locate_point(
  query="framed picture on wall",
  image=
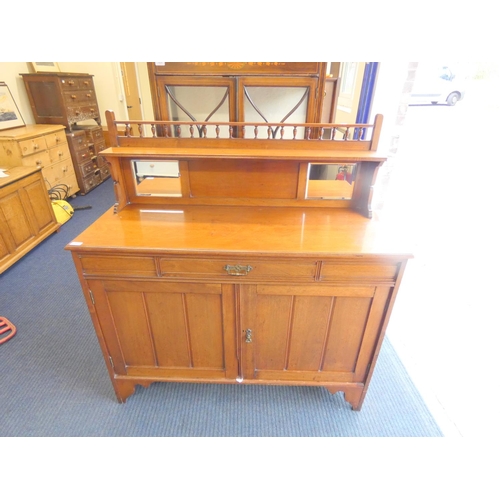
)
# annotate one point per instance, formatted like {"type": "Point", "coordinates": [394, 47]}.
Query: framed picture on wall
{"type": "Point", "coordinates": [10, 117]}
{"type": "Point", "coordinates": [45, 67]}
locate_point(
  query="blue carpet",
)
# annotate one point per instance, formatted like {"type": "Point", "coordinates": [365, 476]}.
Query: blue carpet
{"type": "Point", "coordinates": [53, 380]}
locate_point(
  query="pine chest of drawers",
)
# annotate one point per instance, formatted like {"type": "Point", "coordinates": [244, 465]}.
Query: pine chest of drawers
{"type": "Point", "coordinates": [42, 146]}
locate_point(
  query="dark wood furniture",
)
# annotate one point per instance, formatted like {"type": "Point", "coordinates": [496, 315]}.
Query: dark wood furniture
{"type": "Point", "coordinates": [231, 272]}
{"type": "Point", "coordinates": [69, 99]}
{"type": "Point", "coordinates": [62, 98]}
{"type": "Point", "coordinates": [26, 215]}
{"type": "Point", "coordinates": [86, 142]}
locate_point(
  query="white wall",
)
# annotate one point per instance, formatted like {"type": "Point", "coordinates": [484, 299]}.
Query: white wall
{"type": "Point", "coordinates": [9, 73]}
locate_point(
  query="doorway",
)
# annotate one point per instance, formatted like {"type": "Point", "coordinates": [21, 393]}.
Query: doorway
{"type": "Point", "coordinates": [131, 90]}
{"type": "Point", "coordinates": [351, 80]}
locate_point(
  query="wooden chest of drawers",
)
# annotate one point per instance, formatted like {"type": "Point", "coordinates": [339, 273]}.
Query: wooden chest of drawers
{"type": "Point", "coordinates": [62, 98]}
{"type": "Point", "coordinates": [85, 143]}
{"type": "Point", "coordinates": [42, 146]}
{"type": "Point", "coordinates": [97, 143]}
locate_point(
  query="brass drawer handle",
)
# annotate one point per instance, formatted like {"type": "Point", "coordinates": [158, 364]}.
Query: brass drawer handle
{"type": "Point", "coordinates": [237, 270]}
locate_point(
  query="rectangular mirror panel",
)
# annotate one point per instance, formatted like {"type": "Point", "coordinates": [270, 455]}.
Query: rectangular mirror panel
{"type": "Point", "coordinates": [157, 178]}
{"type": "Point", "coordinates": [331, 181]}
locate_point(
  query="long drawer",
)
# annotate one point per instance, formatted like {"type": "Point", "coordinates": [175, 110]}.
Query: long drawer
{"type": "Point", "coordinates": [197, 268]}
{"type": "Point", "coordinates": [242, 269]}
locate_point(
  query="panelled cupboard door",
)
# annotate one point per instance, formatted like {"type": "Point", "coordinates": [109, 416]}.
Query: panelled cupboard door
{"type": "Point", "coordinates": [35, 194]}
{"type": "Point", "coordinates": [310, 334]}
{"type": "Point", "coordinates": [177, 331]}
{"type": "Point", "coordinates": [25, 211]}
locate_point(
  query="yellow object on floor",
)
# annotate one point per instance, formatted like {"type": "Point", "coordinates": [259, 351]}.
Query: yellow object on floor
{"type": "Point", "coordinates": [63, 210]}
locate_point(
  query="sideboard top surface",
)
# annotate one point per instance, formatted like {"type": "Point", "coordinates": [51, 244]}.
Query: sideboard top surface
{"type": "Point", "coordinates": [29, 131]}
{"type": "Point", "coordinates": [13, 174]}
{"type": "Point", "coordinates": [225, 230]}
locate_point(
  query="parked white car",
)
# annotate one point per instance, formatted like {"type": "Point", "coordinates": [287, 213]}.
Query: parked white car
{"type": "Point", "coordinates": [436, 86]}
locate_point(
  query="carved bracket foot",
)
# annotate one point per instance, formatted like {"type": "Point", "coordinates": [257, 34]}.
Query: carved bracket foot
{"type": "Point", "coordinates": [353, 395]}
{"type": "Point", "coordinates": [125, 388]}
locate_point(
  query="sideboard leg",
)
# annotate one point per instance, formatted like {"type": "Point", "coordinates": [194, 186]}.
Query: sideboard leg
{"type": "Point", "coordinates": [353, 395]}
{"type": "Point", "coordinates": [123, 389]}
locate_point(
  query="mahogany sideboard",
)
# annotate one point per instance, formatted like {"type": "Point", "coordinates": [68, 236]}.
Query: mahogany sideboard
{"type": "Point", "coordinates": [239, 261]}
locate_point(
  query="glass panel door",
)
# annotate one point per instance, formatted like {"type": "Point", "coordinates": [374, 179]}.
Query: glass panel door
{"type": "Point", "coordinates": [276, 100]}
{"type": "Point", "coordinates": [187, 99]}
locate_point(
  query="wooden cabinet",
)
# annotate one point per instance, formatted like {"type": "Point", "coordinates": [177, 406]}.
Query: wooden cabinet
{"type": "Point", "coordinates": [42, 146]}
{"type": "Point", "coordinates": [192, 320]}
{"type": "Point", "coordinates": [85, 143]}
{"type": "Point", "coordinates": [26, 215]}
{"type": "Point", "coordinates": [62, 98]}
{"type": "Point", "coordinates": [239, 277]}
{"type": "Point", "coordinates": [69, 99]}
{"type": "Point", "coordinates": [96, 144]}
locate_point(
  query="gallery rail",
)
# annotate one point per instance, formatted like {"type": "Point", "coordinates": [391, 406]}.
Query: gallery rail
{"type": "Point", "coordinates": [357, 135]}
